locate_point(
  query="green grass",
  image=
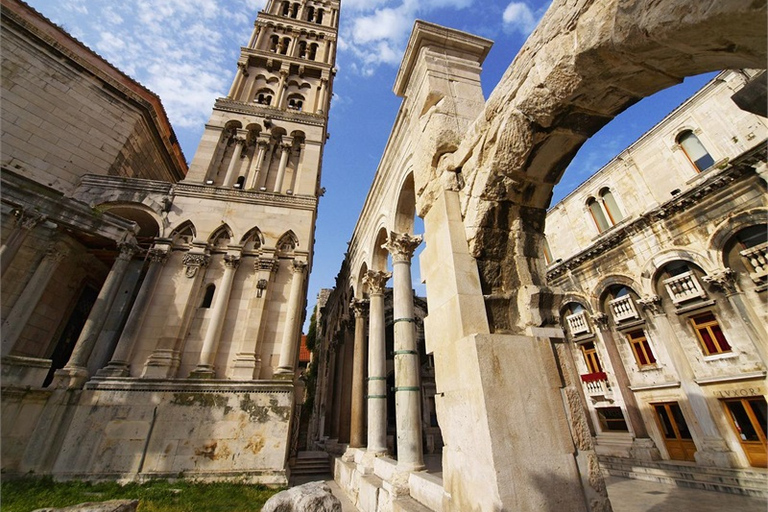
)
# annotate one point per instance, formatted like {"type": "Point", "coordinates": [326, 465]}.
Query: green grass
{"type": "Point", "coordinates": [157, 496]}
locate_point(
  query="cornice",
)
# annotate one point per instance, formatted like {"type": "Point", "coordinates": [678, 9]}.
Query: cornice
{"type": "Point", "coordinates": [238, 107]}
{"type": "Point", "coordinates": [299, 202]}
{"type": "Point", "coordinates": [266, 18]}
{"type": "Point", "coordinates": [713, 181]}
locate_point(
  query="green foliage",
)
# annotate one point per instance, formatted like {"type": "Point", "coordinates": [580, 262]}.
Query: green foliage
{"type": "Point", "coordinates": [156, 496]}
{"type": "Point", "coordinates": [312, 331]}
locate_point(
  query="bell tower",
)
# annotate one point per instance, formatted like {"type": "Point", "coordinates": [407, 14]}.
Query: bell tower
{"type": "Point", "coordinates": [267, 135]}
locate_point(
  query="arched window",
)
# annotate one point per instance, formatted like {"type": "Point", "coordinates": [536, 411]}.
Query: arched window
{"type": "Point", "coordinates": [295, 10]}
{"type": "Point", "coordinates": [319, 19]}
{"type": "Point", "coordinates": [240, 182]}
{"type": "Point", "coordinates": [284, 44]}
{"type": "Point", "coordinates": [264, 97]}
{"type": "Point", "coordinates": [208, 297]}
{"type": "Point", "coordinates": [597, 214]}
{"type": "Point", "coordinates": [604, 210]}
{"type": "Point", "coordinates": [695, 150]}
{"type": "Point", "coordinates": [295, 102]}
{"type": "Point", "coordinates": [547, 252]}
{"type": "Point", "coordinates": [310, 13]}
{"type": "Point", "coordinates": [273, 42]}
{"type": "Point", "coordinates": [312, 51]}
{"type": "Point", "coordinates": [286, 8]}
{"type": "Point", "coordinates": [302, 49]}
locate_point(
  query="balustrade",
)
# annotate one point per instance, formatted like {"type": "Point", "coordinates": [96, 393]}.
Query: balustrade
{"type": "Point", "coordinates": [684, 287]}
{"type": "Point", "coordinates": [757, 257]}
{"type": "Point", "coordinates": [623, 308]}
{"type": "Point", "coordinates": [597, 385]}
{"type": "Point", "coordinates": [577, 323]}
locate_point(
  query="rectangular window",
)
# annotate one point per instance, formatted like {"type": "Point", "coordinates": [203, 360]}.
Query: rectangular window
{"type": "Point", "coordinates": [709, 333]}
{"type": "Point", "coordinates": [611, 419]}
{"type": "Point", "coordinates": [642, 349]}
{"type": "Point", "coordinates": [590, 357]}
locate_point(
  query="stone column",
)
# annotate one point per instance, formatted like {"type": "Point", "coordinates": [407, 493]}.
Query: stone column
{"type": "Point", "coordinates": [25, 305]}
{"type": "Point", "coordinates": [407, 385]}
{"type": "Point", "coordinates": [205, 367]}
{"type": "Point", "coordinates": [711, 449]}
{"type": "Point", "coordinates": [75, 372]}
{"type": "Point", "coordinates": [166, 357]}
{"type": "Point", "coordinates": [260, 38]}
{"type": "Point", "coordinates": [357, 423]}
{"type": "Point", "coordinates": [320, 108]}
{"type": "Point", "coordinates": [119, 365]}
{"type": "Point", "coordinates": [253, 172]}
{"type": "Point", "coordinates": [239, 74]}
{"type": "Point", "coordinates": [338, 383]}
{"type": "Point", "coordinates": [643, 447]}
{"type": "Point", "coordinates": [280, 89]}
{"type": "Point", "coordinates": [285, 148]}
{"type": "Point", "coordinates": [377, 362]}
{"type": "Point", "coordinates": [239, 142]}
{"type": "Point", "coordinates": [247, 362]}
{"type": "Point", "coordinates": [290, 333]}
{"type": "Point", "coordinates": [25, 223]}
{"type": "Point", "coordinates": [261, 182]}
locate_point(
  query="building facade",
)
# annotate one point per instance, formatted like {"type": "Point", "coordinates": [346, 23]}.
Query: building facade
{"type": "Point", "coordinates": [169, 345]}
{"type": "Point", "coordinates": [658, 257]}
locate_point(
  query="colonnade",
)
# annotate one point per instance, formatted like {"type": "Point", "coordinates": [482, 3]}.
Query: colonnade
{"type": "Point", "coordinates": [407, 366]}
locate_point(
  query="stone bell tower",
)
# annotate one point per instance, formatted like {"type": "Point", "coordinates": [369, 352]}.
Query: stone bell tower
{"type": "Point", "coordinates": [267, 135]}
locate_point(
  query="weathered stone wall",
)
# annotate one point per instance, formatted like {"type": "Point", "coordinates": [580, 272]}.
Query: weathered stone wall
{"type": "Point", "coordinates": [61, 121]}
{"type": "Point", "coordinates": [135, 431]}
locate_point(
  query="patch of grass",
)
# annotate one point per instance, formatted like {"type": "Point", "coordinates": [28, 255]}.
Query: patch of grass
{"type": "Point", "coordinates": [29, 494]}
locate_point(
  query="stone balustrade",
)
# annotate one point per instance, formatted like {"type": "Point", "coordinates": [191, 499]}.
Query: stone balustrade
{"type": "Point", "coordinates": [596, 386]}
{"type": "Point", "coordinates": [684, 287]}
{"type": "Point", "coordinates": [623, 308]}
{"type": "Point", "coordinates": [577, 323]}
{"type": "Point", "coordinates": [757, 259]}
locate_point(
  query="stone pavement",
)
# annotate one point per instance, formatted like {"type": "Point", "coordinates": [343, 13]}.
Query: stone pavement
{"type": "Point", "coordinates": [628, 495]}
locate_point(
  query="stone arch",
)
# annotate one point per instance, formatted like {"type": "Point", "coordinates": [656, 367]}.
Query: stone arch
{"type": "Point", "coordinates": [184, 234]}
{"type": "Point", "coordinates": [378, 253]}
{"type": "Point", "coordinates": [221, 237]}
{"type": "Point", "coordinates": [609, 281]}
{"type": "Point", "coordinates": [405, 206]}
{"type": "Point", "coordinates": [652, 268]}
{"type": "Point", "coordinates": [360, 286]}
{"type": "Point", "coordinates": [252, 241]}
{"type": "Point", "coordinates": [287, 243]}
{"type": "Point", "coordinates": [729, 227]}
{"type": "Point", "coordinates": [148, 220]}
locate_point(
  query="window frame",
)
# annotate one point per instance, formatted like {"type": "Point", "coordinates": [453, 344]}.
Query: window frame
{"type": "Point", "coordinates": [641, 343]}
{"type": "Point", "coordinates": [707, 326]}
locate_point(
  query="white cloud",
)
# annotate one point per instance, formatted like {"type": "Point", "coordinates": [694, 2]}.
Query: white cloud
{"type": "Point", "coordinates": [518, 17]}
{"type": "Point", "coordinates": [389, 24]}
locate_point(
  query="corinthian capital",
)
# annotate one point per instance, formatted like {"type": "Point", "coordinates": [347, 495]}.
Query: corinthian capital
{"type": "Point", "coordinates": [193, 262]}
{"type": "Point", "coordinates": [724, 278]}
{"type": "Point", "coordinates": [375, 281]}
{"type": "Point", "coordinates": [401, 246]}
{"type": "Point", "coordinates": [359, 307]}
{"type": "Point", "coordinates": [231, 260]}
{"type": "Point", "coordinates": [298, 266]}
{"type": "Point", "coordinates": [651, 303]}
{"type": "Point", "coordinates": [156, 255]}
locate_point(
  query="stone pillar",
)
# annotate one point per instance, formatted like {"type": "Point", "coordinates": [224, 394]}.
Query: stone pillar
{"type": "Point", "coordinates": [75, 372]}
{"type": "Point", "coordinates": [321, 101]}
{"type": "Point", "coordinates": [643, 447]}
{"type": "Point", "coordinates": [25, 223]}
{"type": "Point", "coordinates": [711, 449]}
{"type": "Point", "coordinates": [258, 158]}
{"type": "Point", "coordinates": [218, 156]}
{"type": "Point", "coordinates": [377, 362]}
{"type": "Point", "coordinates": [166, 357]}
{"type": "Point", "coordinates": [261, 182]}
{"type": "Point", "coordinates": [239, 74]}
{"type": "Point", "coordinates": [25, 305]}
{"type": "Point", "coordinates": [260, 38]}
{"type": "Point", "coordinates": [292, 317]}
{"type": "Point", "coordinates": [338, 384]}
{"type": "Point", "coordinates": [239, 142]}
{"type": "Point", "coordinates": [285, 148]}
{"type": "Point", "coordinates": [205, 367]}
{"type": "Point", "coordinates": [407, 367]}
{"type": "Point", "coordinates": [280, 89]}
{"type": "Point", "coordinates": [247, 362]}
{"type": "Point", "coordinates": [119, 365]}
{"type": "Point", "coordinates": [357, 422]}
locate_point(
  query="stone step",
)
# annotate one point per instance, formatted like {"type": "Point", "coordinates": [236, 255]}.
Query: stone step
{"type": "Point", "coordinates": [408, 504]}
{"type": "Point", "coordinates": [748, 482]}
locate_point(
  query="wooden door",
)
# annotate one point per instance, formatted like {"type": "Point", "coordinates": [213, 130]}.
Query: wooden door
{"type": "Point", "coordinates": [677, 437]}
{"type": "Point", "coordinates": [748, 418]}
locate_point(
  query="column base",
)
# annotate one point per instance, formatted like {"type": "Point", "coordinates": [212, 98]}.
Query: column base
{"type": "Point", "coordinates": [115, 369]}
{"type": "Point", "coordinates": [245, 367]}
{"type": "Point", "coordinates": [160, 365]}
{"type": "Point", "coordinates": [73, 377]}
{"type": "Point", "coordinates": [284, 374]}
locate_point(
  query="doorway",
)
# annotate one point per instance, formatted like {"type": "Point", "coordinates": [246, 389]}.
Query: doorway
{"type": "Point", "coordinates": [677, 437]}
{"type": "Point", "coordinates": [748, 419]}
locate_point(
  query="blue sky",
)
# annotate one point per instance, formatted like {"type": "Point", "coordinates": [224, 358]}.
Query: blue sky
{"type": "Point", "coordinates": [185, 51]}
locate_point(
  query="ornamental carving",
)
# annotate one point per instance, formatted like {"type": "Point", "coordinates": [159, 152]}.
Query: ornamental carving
{"type": "Point", "coordinates": [156, 255]}
{"type": "Point", "coordinates": [651, 303]}
{"type": "Point", "coordinates": [267, 264]}
{"type": "Point", "coordinates": [231, 260]}
{"type": "Point", "coordinates": [401, 246]}
{"type": "Point", "coordinates": [375, 280]}
{"type": "Point", "coordinates": [298, 267]}
{"type": "Point", "coordinates": [359, 307]}
{"type": "Point", "coordinates": [724, 279]}
{"type": "Point", "coordinates": [600, 320]}
{"type": "Point", "coordinates": [127, 250]}
{"type": "Point", "coordinates": [193, 263]}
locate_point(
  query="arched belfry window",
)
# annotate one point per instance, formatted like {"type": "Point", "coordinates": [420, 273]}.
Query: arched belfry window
{"type": "Point", "coordinates": [695, 150]}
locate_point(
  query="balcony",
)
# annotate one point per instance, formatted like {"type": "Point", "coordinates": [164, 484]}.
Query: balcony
{"type": "Point", "coordinates": [757, 259]}
{"type": "Point", "coordinates": [684, 287]}
{"type": "Point", "coordinates": [577, 323]}
{"type": "Point", "coordinates": [623, 309]}
{"type": "Point", "coordinates": [596, 387]}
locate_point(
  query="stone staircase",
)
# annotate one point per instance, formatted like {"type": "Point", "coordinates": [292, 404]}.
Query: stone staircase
{"type": "Point", "coordinates": [314, 463]}
{"type": "Point", "coordinates": [746, 482]}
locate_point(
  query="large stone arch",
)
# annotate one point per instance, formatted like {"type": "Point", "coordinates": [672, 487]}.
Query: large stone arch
{"type": "Point", "coordinates": [484, 208]}
{"type": "Point", "coordinates": [583, 65]}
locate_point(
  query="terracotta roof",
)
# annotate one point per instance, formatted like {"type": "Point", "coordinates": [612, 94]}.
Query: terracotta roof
{"type": "Point", "coordinates": [305, 355]}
